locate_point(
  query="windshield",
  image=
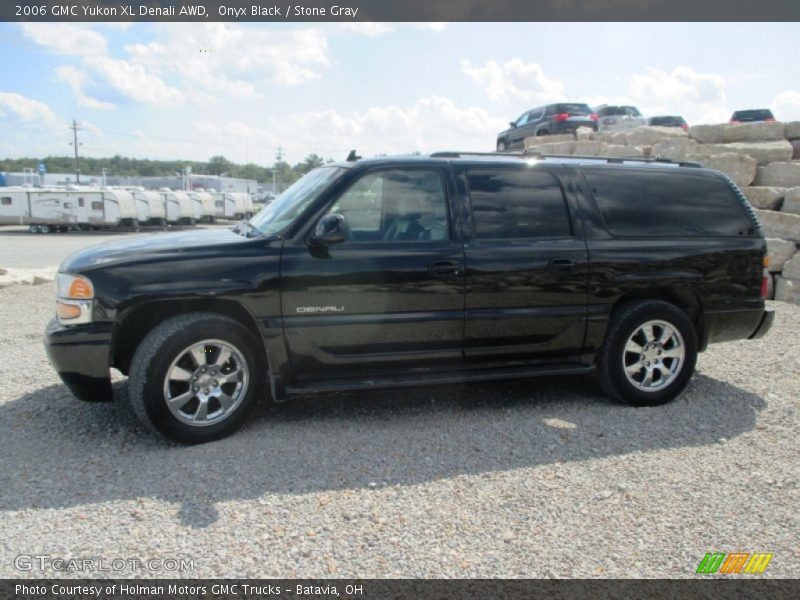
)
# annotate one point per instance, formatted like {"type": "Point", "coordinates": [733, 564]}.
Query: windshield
{"type": "Point", "coordinates": [274, 218]}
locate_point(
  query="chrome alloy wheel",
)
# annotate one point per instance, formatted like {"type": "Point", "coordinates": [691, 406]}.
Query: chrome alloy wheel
{"type": "Point", "coordinates": [206, 383]}
{"type": "Point", "coordinates": [653, 356]}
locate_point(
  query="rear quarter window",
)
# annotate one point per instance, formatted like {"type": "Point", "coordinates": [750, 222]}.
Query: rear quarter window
{"type": "Point", "coordinates": [517, 203]}
{"type": "Point", "coordinates": [676, 203]}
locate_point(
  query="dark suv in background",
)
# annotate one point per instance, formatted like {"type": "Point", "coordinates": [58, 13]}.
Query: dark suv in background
{"type": "Point", "coordinates": [546, 120]}
{"type": "Point", "coordinates": [441, 269]}
{"type": "Point", "coordinates": [752, 115]}
{"type": "Point", "coordinates": [668, 121]}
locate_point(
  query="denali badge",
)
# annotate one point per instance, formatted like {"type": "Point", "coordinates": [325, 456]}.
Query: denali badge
{"type": "Point", "coordinates": [319, 309]}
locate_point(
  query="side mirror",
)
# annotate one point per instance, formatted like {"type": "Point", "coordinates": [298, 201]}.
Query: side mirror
{"type": "Point", "coordinates": [331, 229]}
{"type": "Point", "coordinates": [512, 124]}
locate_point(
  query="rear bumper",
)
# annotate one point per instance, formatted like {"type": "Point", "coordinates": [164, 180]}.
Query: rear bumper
{"type": "Point", "coordinates": [80, 354]}
{"type": "Point", "coordinates": [765, 325]}
{"type": "Point", "coordinates": [568, 127]}
{"type": "Point", "coordinates": [741, 324]}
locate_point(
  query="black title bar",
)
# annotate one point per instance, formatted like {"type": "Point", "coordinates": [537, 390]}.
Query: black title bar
{"type": "Point", "coordinates": [733, 588]}
{"type": "Point", "coordinates": [398, 10]}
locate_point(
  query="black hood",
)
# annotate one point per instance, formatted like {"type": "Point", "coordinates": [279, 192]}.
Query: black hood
{"type": "Point", "coordinates": [142, 247]}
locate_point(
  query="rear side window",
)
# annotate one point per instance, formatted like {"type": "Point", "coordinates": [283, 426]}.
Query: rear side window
{"type": "Point", "coordinates": [664, 204]}
{"type": "Point", "coordinates": [517, 203]}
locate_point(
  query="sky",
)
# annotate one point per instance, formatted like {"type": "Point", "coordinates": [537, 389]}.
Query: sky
{"type": "Point", "coordinates": [194, 90]}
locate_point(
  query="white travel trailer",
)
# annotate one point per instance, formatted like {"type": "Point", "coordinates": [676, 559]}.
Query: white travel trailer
{"type": "Point", "coordinates": [181, 208]}
{"type": "Point", "coordinates": [156, 205]}
{"type": "Point", "coordinates": [60, 208]}
{"type": "Point", "coordinates": [207, 202]}
{"type": "Point", "coordinates": [244, 205]}
{"type": "Point", "coordinates": [224, 205]}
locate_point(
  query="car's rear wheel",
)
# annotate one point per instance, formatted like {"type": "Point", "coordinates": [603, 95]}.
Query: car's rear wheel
{"type": "Point", "coordinates": [649, 353]}
{"type": "Point", "coordinates": [195, 377]}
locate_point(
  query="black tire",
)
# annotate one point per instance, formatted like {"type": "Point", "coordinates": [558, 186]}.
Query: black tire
{"type": "Point", "coordinates": [501, 146]}
{"type": "Point", "coordinates": [626, 320]}
{"type": "Point", "coordinates": [162, 346]}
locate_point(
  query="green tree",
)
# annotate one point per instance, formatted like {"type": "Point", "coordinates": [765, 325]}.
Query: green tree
{"type": "Point", "coordinates": [217, 165]}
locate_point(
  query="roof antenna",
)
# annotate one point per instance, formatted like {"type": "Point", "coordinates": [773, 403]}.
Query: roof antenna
{"type": "Point", "coordinates": [352, 157]}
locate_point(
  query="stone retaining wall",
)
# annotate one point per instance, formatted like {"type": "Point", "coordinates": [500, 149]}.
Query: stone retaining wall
{"type": "Point", "coordinates": [762, 158]}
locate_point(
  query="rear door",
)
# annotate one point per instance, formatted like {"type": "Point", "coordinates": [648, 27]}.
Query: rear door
{"type": "Point", "coordinates": [391, 297]}
{"type": "Point", "coordinates": [527, 268]}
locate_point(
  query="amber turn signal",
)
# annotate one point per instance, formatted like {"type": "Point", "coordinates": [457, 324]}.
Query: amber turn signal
{"type": "Point", "coordinates": [80, 289]}
{"type": "Point", "coordinates": [67, 311]}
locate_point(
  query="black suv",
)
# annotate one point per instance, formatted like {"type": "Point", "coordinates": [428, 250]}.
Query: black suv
{"type": "Point", "coordinates": [393, 272]}
{"type": "Point", "coordinates": [546, 120]}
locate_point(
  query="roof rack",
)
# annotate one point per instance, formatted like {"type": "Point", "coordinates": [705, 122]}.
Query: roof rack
{"type": "Point", "coordinates": [536, 154]}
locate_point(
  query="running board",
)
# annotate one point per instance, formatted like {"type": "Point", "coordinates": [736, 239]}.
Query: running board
{"type": "Point", "coordinates": [444, 378]}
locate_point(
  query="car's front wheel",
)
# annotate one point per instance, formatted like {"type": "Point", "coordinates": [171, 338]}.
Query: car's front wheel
{"type": "Point", "coordinates": [649, 353]}
{"type": "Point", "coordinates": [195, 377]}
{"type": "Point", "coordinates": [501, 146]}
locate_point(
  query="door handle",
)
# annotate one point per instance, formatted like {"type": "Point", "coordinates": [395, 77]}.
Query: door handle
{"type": "Point", "coordinates": [444, 267]}
{"type": "Point", "coordinates": [561, 265]}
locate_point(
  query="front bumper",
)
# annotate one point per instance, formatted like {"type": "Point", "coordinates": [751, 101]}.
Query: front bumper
{"type": "Point", "coordinates": [81, 355]}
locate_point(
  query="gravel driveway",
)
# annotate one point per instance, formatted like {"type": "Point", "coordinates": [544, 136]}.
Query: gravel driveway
{"type": "Point", "coordinates": [531, 478]}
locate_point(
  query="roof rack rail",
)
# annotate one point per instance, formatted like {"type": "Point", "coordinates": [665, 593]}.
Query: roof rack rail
{"type": "Point", "coordinates": [536, 154]}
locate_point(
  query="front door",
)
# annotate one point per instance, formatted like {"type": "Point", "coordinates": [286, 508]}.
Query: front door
{"type": "Point", "coordinates": [527, 269]}
{"type": "Point", "coordinates": [388, 299]}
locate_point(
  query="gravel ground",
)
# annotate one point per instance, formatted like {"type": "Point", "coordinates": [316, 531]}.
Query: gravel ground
{"type": "Point", "coordinates": [531, 478]}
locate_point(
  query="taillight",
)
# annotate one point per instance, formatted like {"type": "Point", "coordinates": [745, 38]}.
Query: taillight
{"type": "Point", "coordinates": [770, 120]}
{"type": "Point", "coordinates": [594, 117]}
{"type": "Point", "coordinates": [765, 277]}
{"type": "Point", "coordinates": [734, 122]}
{"type": "Point", "coordinates": [684, 127]}
{"type": "Point", "coordinates": [558, 117]}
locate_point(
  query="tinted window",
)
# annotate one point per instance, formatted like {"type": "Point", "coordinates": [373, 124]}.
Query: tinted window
{"type": "Point", "coordinates": [517, 203]}
{"type": "Point", "coordinates": [5, 201]}
{"type": "Point", "coordinates": [759, 114]}
{"type": "Point", "coordinates": [675, 203]}
{"type": "Point", "coordinates": [97, 205]}
{"type": "Point", "coordinates": [619, 111]}
{"type": "Point", "coordinates": [667, 121]}
{"type": "Point", "coordinates": [396, 205]}
{"type": "Point", "coordinates": [573, 109]}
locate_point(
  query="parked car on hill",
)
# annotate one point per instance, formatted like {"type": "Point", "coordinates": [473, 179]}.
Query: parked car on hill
{"type": "Point", "coordinates": [752, 115]}
{"type": "Point", "coordinates": [440, 269]}
{"type": "Point", "coordinates": [618, 118]}
{"type": "Point", "coordinates": [564, 117]}
{"type": "Point", "coordinates": [668, 121]}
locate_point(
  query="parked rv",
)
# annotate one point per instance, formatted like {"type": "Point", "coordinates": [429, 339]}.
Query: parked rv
{"type": "Point", "coordinates": [224, 205]}
{"type": "Point", "coordinates": [156, 204]}
{"type": "Point", "coordinates": [244, 205]}
{"type": "Point", "coordinates": [207, 202]}
{"type": "Point", "coordinates": [61, 208]}
{"type": "Point", "coordinates": [180, 208]}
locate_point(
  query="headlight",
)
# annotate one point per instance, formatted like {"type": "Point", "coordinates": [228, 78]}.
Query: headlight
{"type": "Point", "coordinates": [75, 295]}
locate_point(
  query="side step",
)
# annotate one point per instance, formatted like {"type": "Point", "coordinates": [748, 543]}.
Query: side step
{"type": "Point", "coordinates": [443, 378]}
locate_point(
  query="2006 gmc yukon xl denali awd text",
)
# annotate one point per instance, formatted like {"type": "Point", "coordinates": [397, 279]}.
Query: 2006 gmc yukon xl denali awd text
{"type": "Point", "coordinates": [419, 270]}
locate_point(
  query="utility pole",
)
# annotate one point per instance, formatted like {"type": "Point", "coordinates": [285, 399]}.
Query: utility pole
{"type": "Point", "coordinates": [75, 128]}
{"type": "Point", "coordinates": [279, 155]}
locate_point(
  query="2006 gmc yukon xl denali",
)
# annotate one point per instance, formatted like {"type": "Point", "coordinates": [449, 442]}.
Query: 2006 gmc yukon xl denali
{"type": "Point", "coordinates": [419, 270]}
